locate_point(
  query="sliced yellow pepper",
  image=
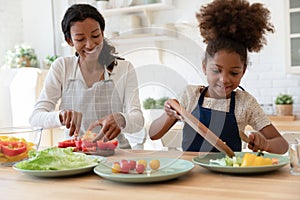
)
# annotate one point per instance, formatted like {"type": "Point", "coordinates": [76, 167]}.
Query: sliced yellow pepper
{"type": "Point", "coordinates": [248, 159]}
{"type": "Point", "coordinates": [253, 160]}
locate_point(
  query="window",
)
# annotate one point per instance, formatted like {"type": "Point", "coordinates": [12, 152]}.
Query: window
{"type": "Point", "coordinates": [294, 36]}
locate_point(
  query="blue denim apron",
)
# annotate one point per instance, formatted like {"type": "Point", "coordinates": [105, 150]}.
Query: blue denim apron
{"type": "Point", "coordinates": [223, 124]}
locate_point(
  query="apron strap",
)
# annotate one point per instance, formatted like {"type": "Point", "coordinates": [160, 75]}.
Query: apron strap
{"type": "Point", "coordinates": [201, 99]}
{"type": "Point", "coordinates": [232, 102]}
{"type": "Point", "coordinates": [76, 68]}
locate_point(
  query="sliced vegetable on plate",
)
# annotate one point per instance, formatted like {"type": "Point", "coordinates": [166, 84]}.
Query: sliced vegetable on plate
{"type": "Point", "coordinates": [86, 145]}
{"type": "Point", "coordinates": [242, 163]}
{"type": "Point", "coordinates": [144, 170]}
{"type": "Point", "coordinates": [53, 162]}
{"type": "Point", "coordinates": [56, 159]}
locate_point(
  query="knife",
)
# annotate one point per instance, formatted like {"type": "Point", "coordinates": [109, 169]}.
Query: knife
{"type": "Point", "coordinates": [200, 128]}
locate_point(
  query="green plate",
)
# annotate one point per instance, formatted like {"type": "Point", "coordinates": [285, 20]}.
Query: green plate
{"type": "Point", "coordinates": [204, 162]}
{"type": "Point", "coordinates": [169, 169]}
{"type": "Point", "coordinates": [59, 173]}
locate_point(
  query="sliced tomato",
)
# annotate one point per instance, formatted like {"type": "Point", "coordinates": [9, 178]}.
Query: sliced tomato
{"type": "Point", "coordinates": [111, 145]}
{"type": "Point", "coordinates": [66, 143]}
{"type": "Point", "coordinates": [13, 148]}
{"type": "Point", "coordinates": [78, 144]}
{"type": "Point", "coordinates": [89, 149]}
{"type": "Point", "coordinates": [115, 142]}
{"type": "Point", "coordinates": [102, 145]}
{"type": "Point", "coordinates": [88, 144]}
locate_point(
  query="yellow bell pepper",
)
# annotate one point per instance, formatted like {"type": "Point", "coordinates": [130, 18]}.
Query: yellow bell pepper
{"type": "Point", "coordinates": [248, 159]}
{"type": "Point", "coordinates": [253, 160]}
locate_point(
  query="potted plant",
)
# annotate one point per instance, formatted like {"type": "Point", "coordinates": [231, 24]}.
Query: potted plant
{"type": "Point", "coordinates": [153, 108]}
{"type": "Point", "coordinates": [21, 56]}
{"type": "Point", "coordinates": [49, 60]}
{"type": "Point", "coordinates": [151, 103]}
{"type": "Point", "coordinates": [284, 105]}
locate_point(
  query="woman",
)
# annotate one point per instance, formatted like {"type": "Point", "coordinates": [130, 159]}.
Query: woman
{"type": "Point", "coordinates": [96, 88]}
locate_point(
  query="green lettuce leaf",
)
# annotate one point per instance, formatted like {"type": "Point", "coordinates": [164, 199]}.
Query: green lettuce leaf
{"type": "Point", "coordinates": [56, 159]}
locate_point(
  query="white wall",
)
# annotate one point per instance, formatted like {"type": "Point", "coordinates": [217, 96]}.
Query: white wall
{"type": "Point", "coordinates": [265, 78]}
{"type": "Point", "coordinates": [31, 22]}
{"type": "Point", "coordinates": [38, 27]}
{"type": "Point", "coordinates": [11, 31]}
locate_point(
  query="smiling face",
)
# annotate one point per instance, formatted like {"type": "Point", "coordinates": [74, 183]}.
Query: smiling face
{"type": "Point", "coordinates": [86, 38]}
{"type": "Point", "coordinates": [224, 73]}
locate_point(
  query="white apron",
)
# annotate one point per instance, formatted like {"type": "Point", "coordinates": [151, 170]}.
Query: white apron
{"type": "Point", "coordinates": [94, 103]}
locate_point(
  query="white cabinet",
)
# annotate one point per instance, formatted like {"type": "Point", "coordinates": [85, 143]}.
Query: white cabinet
{"type": "Point", "coordinates": [159, 5]}
{"type": "Point", "coordinates": [118, 29]}
{"type": "Point", "coordinates": [293, 65]}
{"type": "Point", "coordinates": [133, 24]}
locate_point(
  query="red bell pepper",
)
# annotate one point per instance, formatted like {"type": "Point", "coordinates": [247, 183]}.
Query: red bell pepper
{"type": "Point", "coordinates": [13, 148]}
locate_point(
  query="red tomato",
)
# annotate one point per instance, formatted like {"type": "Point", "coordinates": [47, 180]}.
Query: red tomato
{"type": "Point", "coordinates": [66, 143]}
{"type": "Point", "coordinates": [89, 149]}
{"type": "Point", "coordinates": [101, 145]}
{"type": "Point", "coordinates": [125, 167]}
{"type": "Point", "coordinates": [140, 168]}
{"type": "Point", "coordinates": [78, 144]}
{"type": "Point", "coordinates": [115, 142]}
{"type": "Point", "coordinates": [132, 164]}
{"type": "Point", "coordinates": [88, 144]}
{"type": "Point", "coordinates": [13, 148]}
{"type": "Point", "coordinates": [109, 145]}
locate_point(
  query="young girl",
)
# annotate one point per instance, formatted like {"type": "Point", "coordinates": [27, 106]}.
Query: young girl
{"type": "Point", "coordinates": [230, 29]}
{"type": "Point", "coordinates": [96, 88]}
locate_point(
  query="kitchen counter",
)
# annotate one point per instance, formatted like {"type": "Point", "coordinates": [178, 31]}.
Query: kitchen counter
{"type": "Point", "coordinates": [197, 184]}
{"type": "Point", "coordinates": [283, 126]}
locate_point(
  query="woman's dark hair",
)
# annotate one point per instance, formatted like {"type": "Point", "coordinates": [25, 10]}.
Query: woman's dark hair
{"type": "Point", "coordinates": [234, 26]}
{"type": "Point", "coordinates": [80, 12]}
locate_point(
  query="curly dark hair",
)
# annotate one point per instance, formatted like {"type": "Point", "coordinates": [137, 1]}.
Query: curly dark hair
{"type": "Point", "coordinates": [234, 26]}
{"type": "Point", "coordinates": [80, 12]}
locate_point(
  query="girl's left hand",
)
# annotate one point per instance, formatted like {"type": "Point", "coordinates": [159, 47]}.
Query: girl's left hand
{"type": "Point", "coordinates": [110, 126]}
{"type": "Point", "coordinates": [258, 142]}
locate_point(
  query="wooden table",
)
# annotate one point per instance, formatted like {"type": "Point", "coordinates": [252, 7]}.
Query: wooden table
{"type": "Point", "coordinates": [197, 184]}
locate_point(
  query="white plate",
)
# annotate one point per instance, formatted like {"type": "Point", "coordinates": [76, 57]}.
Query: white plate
{"type": "Point", "coordinates": [204, 162]}
{"type": "Point", "coordinates": [169, 169]}
{"type": "Point", "coordinates": [59, 173]}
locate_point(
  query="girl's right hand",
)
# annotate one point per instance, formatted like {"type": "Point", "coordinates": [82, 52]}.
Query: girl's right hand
{"type": "Point", "coordinates": [170, 111]}
{"type": "Point", "coordinates": [72, 120]}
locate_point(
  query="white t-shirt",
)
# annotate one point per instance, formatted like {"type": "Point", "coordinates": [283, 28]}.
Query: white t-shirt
{"type": "Point", "coordinates": [247, 110]}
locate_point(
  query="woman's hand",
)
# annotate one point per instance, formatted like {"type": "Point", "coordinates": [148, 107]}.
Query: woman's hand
{"type": "Point", "coordinates": [258, 142]}
{"type": "Point", "coordinates": [170, 111]}
{"type": "Point", "coordinates": [110, 126]}
{"type": "Point", "coordinates": [72, 120]}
